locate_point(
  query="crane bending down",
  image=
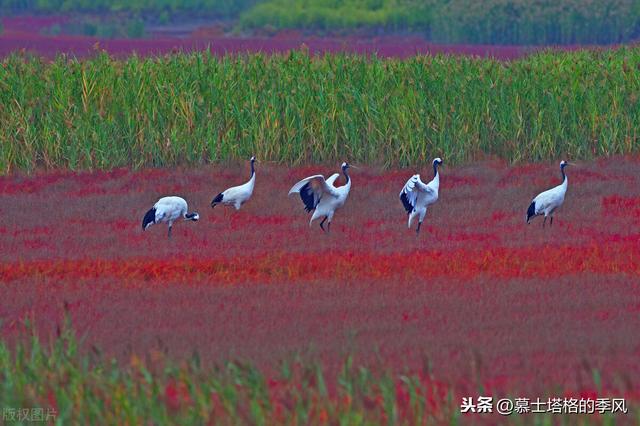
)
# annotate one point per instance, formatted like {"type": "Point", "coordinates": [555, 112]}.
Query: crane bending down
{"type": "Point", "coordinates": [547, 202]}
{"type": "Point", "coordinates": [416, 196]}
{"type": "Point", "coordinates": [168, 210]}
{"type": "Point", "coordinates": [322, 196]}
{"type": "Point", "coordinates": [237, 195]}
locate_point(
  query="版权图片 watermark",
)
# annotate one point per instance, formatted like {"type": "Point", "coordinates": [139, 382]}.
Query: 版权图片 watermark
{"type": "Point", "coordinates": [31, 414]}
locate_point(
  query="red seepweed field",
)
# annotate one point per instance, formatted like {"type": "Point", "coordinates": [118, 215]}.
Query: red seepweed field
{"type": "Point", "coordinates": [26, 33]}
{"type": "Point", "coordinates": [485, 303]}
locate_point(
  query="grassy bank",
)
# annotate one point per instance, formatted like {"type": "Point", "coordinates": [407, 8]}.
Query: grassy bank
{"type": "Point", "coordinates": [61, 382]}
{"type": "Point", "coordinates": [70, 387]}
{"type": "Point", "coordinates": [195, 108]}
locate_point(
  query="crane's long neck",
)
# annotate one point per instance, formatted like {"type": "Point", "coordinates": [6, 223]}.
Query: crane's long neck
{"type": "Point", "coordinates": [346, 176]}
{"type": "Point", "coordinates": [436, 175]}
{"type": "Point", "coordinates": [252, 180]}
{"type": "Point", "coordinates": [565, 181]}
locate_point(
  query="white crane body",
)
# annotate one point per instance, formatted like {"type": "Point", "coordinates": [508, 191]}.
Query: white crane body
{"type": "Point", "coordinates": [547, 202]}
{"type": "Point", "coordinates": [321, 196]}
{"type": "Point", "coordinates": [416, 196]}
{"type": "Point", "coordinates": [238, 195]}
{"type": "Point", "coordinates": [168, 210]}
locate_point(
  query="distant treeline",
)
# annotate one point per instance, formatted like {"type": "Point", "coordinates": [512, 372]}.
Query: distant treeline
{"type": "Point", "coordinates": [296, 108]}
{"type": "Point", "coordinates": [221, 8]}
{"type": "Point", "coordinates": [462, 21]}
{"type": "Point", "coordinates": [449, 21]}
{"type": "Point", "coordinates": [400, 15]}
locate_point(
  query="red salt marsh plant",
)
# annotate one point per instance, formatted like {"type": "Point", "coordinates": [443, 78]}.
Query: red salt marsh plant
{"type": "Point", "coordinates": [616, 257]}
{"type": "Point", "coordinates": [494, 305]}
{"type": "Point", "coordinates": [393, 47]}
{"type": "Point", "coordinates": [616, 205]}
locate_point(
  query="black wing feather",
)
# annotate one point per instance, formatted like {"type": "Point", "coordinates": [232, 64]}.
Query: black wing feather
{"type": "Point", "coordinates": [308, 197]}
{"type": "Point", "coordinates": [149, 218]}
{"type": "Point", "coordinates": [531, 211]}
{"type": "Point", "coordinates": [405, 202]}
{"type": "Point", "coordinates": [218, 198]}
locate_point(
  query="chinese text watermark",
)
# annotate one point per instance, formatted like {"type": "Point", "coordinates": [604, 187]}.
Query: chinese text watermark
{"type": "Point", "coordinates": [508, 406]}
{"type": "Point", "coordinates": [37, 414]}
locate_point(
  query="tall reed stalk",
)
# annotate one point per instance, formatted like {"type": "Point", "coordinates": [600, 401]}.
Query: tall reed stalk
{"type": "Point", "coordinates": [296, 108]}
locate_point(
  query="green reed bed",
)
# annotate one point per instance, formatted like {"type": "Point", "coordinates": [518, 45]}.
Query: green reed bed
{"type": "Point", "coordinates": [296, 108]}
{"type": "Point", "coordinates": [60, 381]}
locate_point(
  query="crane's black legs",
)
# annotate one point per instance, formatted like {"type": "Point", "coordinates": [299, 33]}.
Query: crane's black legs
{"type": "Point", "coordinates": [544, 221]}
{"type": "Point", "coordinates": [322, 224]}
{"type": "Point", "coordinates": [170, 231]}
{"type": "Point", "coordinates": [418, 228]}
{"type": "Point", "coordinates": [329, 227]}
{"type": "Point", "coordinates": [551, 224]}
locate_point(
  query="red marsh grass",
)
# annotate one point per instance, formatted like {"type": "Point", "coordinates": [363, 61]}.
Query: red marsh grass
{"type": "Point", "coordinates": [480, 295]}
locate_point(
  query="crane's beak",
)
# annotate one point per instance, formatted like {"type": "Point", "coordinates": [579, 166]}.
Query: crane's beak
{"type": "Point", "coordinates": [353, 167]}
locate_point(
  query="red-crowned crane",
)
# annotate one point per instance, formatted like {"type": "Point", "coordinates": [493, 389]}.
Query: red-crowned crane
{"type": "Point", "coordinates": [547, 202]}
{"type": "Point", "coordinates": [322, 196]}
{"type": "Point", "coordinates": [168, 210]}
{"type": "Point", "coordinates": [237, 195]}
{"type": "Point", "coordinates": [416, 196]}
